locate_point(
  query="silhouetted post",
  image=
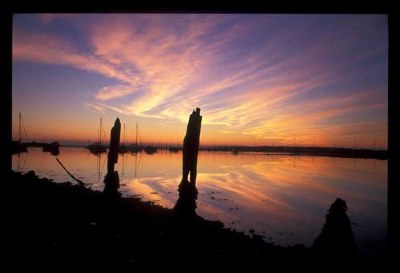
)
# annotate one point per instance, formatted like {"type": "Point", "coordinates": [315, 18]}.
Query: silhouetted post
{"type": "Point", "coordinates": [111, 180]}
{"type": "Point", "coordinates": [191, 147]}
{"type": "Point", "coordinates": [337, 237]}
{"type": "Point", "coordinates": [185, 206]}
{"type": "Point", "coordinates": [114, 146]}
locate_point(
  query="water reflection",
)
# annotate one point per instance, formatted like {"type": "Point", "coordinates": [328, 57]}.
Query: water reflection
{"type": "Point", "coordinates": [267, 193]}
{"type": "Point", "coordinates": [100, 162]}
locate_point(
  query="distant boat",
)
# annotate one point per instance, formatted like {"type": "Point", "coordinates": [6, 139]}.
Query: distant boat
{"type": "Point", "coordinates": [97, 148]}
{"type": "Point", "coordinates": [134, 149]}
{"type": "Point", "coordinates": [235, 151]}
{"type": "Point", "coordinates": [16, 146]}
{"type": "Point", "coordinates": [150, 149]}
{"type": "Point", "coordinates": [53, 148]}
{"type": "Point", "coordinates": [173, 149]}
{"type": "Point", "coordinates": [123, 149]}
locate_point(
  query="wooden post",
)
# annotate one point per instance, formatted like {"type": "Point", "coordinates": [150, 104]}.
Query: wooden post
{"type": "Point", "coordinates": [111, 180]}
{"type": "Point", "coordinates": [191, 147]}
{"type": "Point", "coordinates": [185, 206]}
{"type": "Point", "coordinates": [114, 146]}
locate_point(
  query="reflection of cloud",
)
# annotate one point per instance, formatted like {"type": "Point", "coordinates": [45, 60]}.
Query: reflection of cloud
{"type": "Point", "coordinates": [273, 193]}
{"type": "Point", "coordinates": [285, 183]}
{"type": "Point", "coordinates": [166, 192]}
{"type": "Point", "coordinates": [244, 78]}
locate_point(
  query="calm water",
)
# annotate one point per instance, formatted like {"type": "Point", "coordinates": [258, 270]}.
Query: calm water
{"type": "Point", "coordinates": [282, 197]}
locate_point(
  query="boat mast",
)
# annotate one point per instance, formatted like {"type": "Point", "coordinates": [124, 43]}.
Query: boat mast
{"type": "Point", "coordinates": [124, 135]}
{"type": "Point", "coordinates": [101, 120]}
{"type": "Point", "coordinates": [19, 140]}
{"type": "Point", "coordinates": [136, 134]}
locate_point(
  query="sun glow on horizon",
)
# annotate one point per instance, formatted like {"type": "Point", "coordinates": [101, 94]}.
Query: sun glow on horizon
{"type": "Point", "coordinates": [305, 80]}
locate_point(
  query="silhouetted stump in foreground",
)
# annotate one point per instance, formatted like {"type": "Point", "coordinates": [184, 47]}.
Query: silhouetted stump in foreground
{"type": "Point", "coordinates": [337, 237]}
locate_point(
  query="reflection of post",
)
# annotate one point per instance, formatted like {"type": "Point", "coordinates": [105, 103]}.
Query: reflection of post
{"type": "Point", "coordinates": [123, 164]}
{"type": "Point", "coordinates": [98, 157]}
{"type": "Point", "coordinates": [191, 147]}
{"type": "Point", "coordinates": [135, 164]}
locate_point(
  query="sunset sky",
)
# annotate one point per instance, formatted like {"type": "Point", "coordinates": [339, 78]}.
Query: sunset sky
{"type": "Point", "coordinates": [258, 79]}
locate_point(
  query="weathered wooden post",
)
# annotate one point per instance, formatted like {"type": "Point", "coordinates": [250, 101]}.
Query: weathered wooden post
{"type": "Point", "coordinates": [191, 147]}
{"type": "Point", "coordinates": [186, 204]}
{"type": "Point", "coordinates": [111, 180]}
{"type": "Point", "coordinates": [114, 146]}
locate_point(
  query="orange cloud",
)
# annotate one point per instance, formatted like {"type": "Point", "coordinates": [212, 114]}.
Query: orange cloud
{"type": "Point", "coordinates": [165, 65]}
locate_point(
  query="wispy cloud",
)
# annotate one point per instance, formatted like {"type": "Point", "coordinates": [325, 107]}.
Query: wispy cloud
{"type": "Point", "coordinates": [110, 92]}
{"type": "Point", "coordinates": [50, 49]}
{"type": "Point", "coordinates": [265, 76]}
{"type": "Point", "coordinates": [94, 107]}
{"type": "Point", "coordinates": [49, 17]}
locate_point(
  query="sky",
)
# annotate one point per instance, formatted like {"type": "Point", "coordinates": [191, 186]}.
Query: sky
{"type": "Point", "coordinates": [259, 79]}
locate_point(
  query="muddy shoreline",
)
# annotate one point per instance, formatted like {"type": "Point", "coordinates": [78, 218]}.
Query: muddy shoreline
{"type": "Point", "coordinates": [67, 223]}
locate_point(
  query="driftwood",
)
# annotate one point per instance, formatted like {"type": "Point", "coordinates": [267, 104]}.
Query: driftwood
{"type": "Point", "coordinates": [80, 182]}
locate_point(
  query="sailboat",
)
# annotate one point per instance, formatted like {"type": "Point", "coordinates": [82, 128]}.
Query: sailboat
{"type": "Point", "coordinates": [150, 149]}
{"type": "Point", "coordinates": [53, 148]}
{"type": "Point", "coordinates": [16, 146]}
{"type": "Point", "coordinates": [235, 151]}
{"type": "Point", "coordinates": [97, 147]}
{"type": "Point", "coordinates": [174, 149]}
